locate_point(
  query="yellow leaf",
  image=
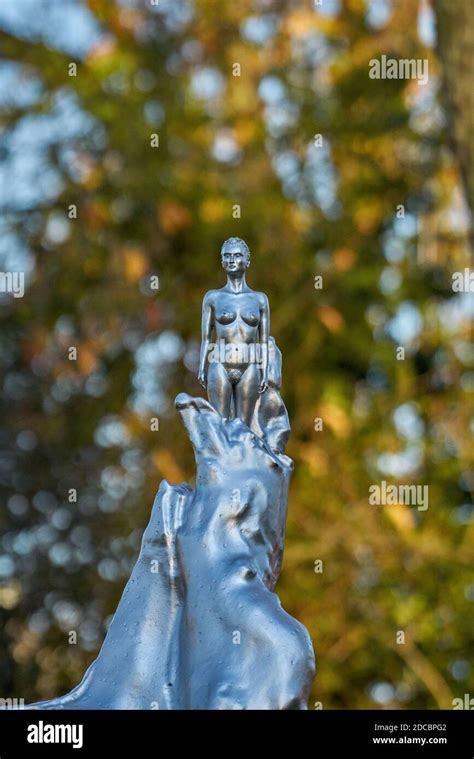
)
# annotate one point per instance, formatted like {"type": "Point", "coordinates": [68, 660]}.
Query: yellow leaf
{"type": "Point", "coordinates": [173, 216]}
{"type": "Point", "coordinates": [344, 259]}
{"type": "Point", "coordinates": [335, 418]}
{"type": "Point", "coordinates": [401, 516]}
{"type": "Point", "coordinates": [135, 264]}
{"type": "Point", "coordinates": [331, 318]}
{"type": "Point", "coordinates": [215, 209]}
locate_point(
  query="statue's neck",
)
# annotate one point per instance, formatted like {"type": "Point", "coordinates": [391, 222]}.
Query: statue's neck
{"type": "Point", "coordinates": [237, 284]}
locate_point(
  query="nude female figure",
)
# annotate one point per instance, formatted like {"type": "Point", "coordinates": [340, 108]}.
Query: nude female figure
{"type": "Point", "coordinates": [234, 369]}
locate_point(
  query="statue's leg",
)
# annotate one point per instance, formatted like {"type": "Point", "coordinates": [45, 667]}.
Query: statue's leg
{"type": "Point", "coordinates": [219, 388]}
{"type": "Point", "coordinates": [246, 393]}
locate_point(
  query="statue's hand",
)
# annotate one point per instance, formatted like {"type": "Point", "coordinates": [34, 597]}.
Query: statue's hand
{"type": "Point", "coordinates": [202, 378]}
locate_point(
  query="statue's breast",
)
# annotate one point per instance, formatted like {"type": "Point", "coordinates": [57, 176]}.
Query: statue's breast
{"type": "Point", "coordinates": [251, 319]}
{"type": "Point", "coordinates": [226, 317]}
{"type": "Point", "coordinates": [243, 307]}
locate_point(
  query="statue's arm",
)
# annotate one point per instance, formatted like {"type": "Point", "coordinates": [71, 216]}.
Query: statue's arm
{"type": "Point", "coordinates": [206, 335]}
{"type": "Point", "coordinates": [264, 333]}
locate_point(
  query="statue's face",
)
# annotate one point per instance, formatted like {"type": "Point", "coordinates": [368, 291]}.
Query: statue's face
{"type": "Point", "coordinates": [234, 259]}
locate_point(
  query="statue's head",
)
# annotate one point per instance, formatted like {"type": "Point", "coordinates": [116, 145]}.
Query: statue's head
{"type": "Point", "coordinates": [235, 255]}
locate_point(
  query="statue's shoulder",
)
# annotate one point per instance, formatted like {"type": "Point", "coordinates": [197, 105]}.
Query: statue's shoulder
{"type": "Point", "coordinates": [209, 297]}
{"type": "Point", "coordinates": [263, 300]}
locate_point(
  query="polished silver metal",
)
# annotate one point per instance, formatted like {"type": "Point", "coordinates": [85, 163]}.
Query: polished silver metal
{"type": "Point", "coordinates": [239, 361]}
{"type": "Point", "coordinates": [199, 625]}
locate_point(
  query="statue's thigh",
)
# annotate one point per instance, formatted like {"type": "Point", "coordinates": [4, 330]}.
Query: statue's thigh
{"type": "Point", "coordinates": [219, 388]}
{"type": "Point", "coordinates": [246, 393]}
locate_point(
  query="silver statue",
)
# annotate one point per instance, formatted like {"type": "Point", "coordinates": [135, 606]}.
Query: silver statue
{"type": "Point", "coordinates": [240, 318]}
{"type": "Point", "coordinates": [243, 362]}
{"type": "Point", "coordinates": [199, 625]}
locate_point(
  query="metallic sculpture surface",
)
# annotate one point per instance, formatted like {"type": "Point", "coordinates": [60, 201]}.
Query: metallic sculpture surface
{"type": "Point", "coordinates": [205, 629]}
{"type": "Point", "coordinates": [241, 370]}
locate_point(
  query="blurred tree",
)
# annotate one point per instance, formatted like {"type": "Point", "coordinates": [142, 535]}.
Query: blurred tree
{"type": "Point", "coordinates": [455, 47]}
{"type": "Point", "coordinates": [183, 124]}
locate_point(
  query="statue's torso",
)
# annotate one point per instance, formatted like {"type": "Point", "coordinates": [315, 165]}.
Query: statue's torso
{"type": "Point", "coordinates": [236, 320]}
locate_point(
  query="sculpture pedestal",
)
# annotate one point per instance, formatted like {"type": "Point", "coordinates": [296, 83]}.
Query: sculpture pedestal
{"type": "Point", "coordinates": [199, 625]}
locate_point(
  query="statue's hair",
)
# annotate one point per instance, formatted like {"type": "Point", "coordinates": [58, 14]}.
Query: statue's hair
{"type": "Point", "coordinates": [236, 241]}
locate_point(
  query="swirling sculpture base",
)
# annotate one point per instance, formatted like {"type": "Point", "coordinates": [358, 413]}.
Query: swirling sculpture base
{"type": "Point", "coordinates": [199, 625]}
